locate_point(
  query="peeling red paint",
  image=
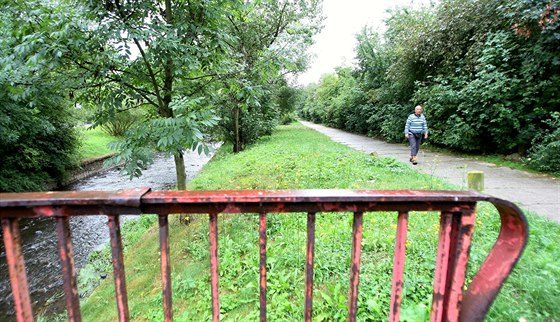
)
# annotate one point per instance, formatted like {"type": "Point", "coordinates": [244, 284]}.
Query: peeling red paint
{"type": "Point", "coordinates": [213, 229]}
{"type": "Point", "coordinates": [165, 268]}
{"type": "Point", "coordinates": [457, 225]}
{"type": "Point", "coordinates": [16, 268]}
{"type": "Point", "coordinates": [309, 261]}
{"type": "Point", "coordinates": [68, 268]}
{"type": "Point", "coordinates": [262, 264]}
{"type": "Point", "coordinates": [398, 267]}
{"type": "Point", "coordinates": [355, 266]}
{"type": "Point", "coordinates": [118, 268]}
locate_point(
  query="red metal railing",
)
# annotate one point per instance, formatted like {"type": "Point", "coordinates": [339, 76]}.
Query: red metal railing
{"type": "Point", "coordinates": [457, 208]}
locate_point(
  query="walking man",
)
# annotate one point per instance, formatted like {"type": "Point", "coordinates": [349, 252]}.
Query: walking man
{"type": "Point", "coordinates": [415, 127]}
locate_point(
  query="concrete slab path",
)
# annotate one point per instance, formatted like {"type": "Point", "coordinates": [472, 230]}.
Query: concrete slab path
{"type": "Point", "coordinates": [533, 192]}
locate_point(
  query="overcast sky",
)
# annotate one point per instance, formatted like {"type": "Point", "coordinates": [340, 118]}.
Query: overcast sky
{"type": "Point", "coordinates": [334, 46]}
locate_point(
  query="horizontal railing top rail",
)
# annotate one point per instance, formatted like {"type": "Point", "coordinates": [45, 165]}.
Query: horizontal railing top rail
{"type": "Point", "coordinates": [457, 209]}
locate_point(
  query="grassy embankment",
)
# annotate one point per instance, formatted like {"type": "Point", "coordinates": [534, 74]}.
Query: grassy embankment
{"type": "Point", "coordinates": [94, 143]}
{"type": "Point", "coordinates": [295, 157]}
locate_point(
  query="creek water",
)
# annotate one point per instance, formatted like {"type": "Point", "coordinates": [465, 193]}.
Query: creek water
{"type": "Point", "coordinates": [39, 241]}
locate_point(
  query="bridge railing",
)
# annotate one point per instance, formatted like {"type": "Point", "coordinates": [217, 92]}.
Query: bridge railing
{"type": "Point", "coordinates": [457, 221]}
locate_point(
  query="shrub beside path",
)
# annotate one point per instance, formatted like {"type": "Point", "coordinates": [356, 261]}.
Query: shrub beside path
{"type": "Point", "coordinates": [537, 193]}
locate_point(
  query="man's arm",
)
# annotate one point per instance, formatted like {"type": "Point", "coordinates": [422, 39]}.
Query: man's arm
{"type": "Point", "coordinates": [407, 127]}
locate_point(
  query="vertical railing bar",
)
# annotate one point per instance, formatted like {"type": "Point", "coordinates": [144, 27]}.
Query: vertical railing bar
{"type": "Point", "coordinates": [165, 268]}
{"type": "Point", "coordinates": [262, 264]}
{"type": "Point", "coordinates": [118, 267]}
{"type": "Point", "coordinates": [398, 266]}
{"type": "Point", "coordinates": [16, 268]}
{"type": "Point", "coordinates": [451, 259]}
{"type": "Point", "coordinates": [355, 266]}
{"type": "Point", "coordinates": [308, 313]}
{"type": "Point", "coordinates": [442, 262]}
{"type": "Point", "coordinates": [66, 252]}
{"type": "Point", "coordinates": [499, 263]}
{"type": "Point", "coordinates": [213, 232]}
{"type": "Point", "coordinates": [463, 230]}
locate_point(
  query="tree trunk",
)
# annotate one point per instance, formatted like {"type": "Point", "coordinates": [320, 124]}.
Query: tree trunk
{"type": "Point", "coordinates": [167, 97]}
{"type": "Point", "coordinates": [181, 182]}
{"type": "Point", "coordinates": [180, 171]}
{"type": "Point", "coordinates": [237, 142]}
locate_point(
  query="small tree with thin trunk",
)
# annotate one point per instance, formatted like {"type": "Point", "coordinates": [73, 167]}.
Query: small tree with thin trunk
{"type": "Point", "coordinates": [157, 57]}
{"type": "Point", "coordinates": [269, 40]}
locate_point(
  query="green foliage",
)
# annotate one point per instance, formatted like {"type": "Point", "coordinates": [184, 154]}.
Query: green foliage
{"type": "Point", "coordinates": [119, 125]}
{"type": "Point", "coordinates": [544, 154]}
{"type": "Point", "coordinates": [37, 140]}
{"type": "Point", "coordinates": [116, 122]}
{"type": "Point", "coordinates": [336, 101]}
{"type": "Point", "coordinates": [171, 135]}
{"type": "Point", "coordinates": [487, 73]}
{"type": "Point", "coordinates": [150, 57]}
{"type": "Point", "coordinates": [286, 98]}
{"type": "Point", "coordinates": [99, 261]}
{"type": "Point", "coordinates": [268, 40]}
{"type": "Point", "coordinates": [258, 121]}
{"type": "Point", "coordinates": [157, 66]}
{"type": "Point", "coordinates": [306, 106]}
{"type": "Point", "coordinates": [37, 143]}
{"type": "Point", "coordinates": [406, 51]}
{"type": "Point", "coordinates": [387, 122]}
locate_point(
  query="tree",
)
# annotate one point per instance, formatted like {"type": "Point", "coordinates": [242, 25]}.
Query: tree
{"type": "Point", "coordinates": [286, 99]}
{"type": "Point", "coordinates": [372, 59]}
{"type": "Point", "coordinates": [164, 58]}
{"type": "Point", "coordinates": [269, 40]}
{"type": "Point", "coordinates": [38, 141]}
{"type": "Point", "coordinates": [156, 56]}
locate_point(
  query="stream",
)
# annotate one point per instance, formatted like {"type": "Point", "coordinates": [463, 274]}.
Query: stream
{"type": "Point", "coordinates": [39, 241]}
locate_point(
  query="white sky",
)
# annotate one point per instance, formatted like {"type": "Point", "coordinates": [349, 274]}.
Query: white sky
{"type": "Point", "coordinates": [334, 46]}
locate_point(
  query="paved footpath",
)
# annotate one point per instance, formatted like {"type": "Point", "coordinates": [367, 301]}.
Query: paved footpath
{"type": "Point", "coordinates": [537, 193]}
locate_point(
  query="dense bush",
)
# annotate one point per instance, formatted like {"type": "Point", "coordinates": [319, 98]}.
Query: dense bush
{"type": "Point", "coordinates": [286, 98]}
{"type": "Point", "coordinates": [388, 122]}
{"type": "Point", "coordinates": [120, 123]}
{"type": "Point", "coordinates": [544, 154]}
{"type": "Point", "coordinates": [37, 143]}
{"type": "Point", "coordinates": [487, 73]}
{"type": "Point", "coordinates": [37, 138]}
{"type": "Point", "coordinates": [258, 121]}
{"type": "Point", "coordinates": [357, 119]}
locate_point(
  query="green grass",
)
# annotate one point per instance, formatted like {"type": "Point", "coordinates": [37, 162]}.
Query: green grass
{"type": "Point", "coordinates": [300, 158]}
{"type": "Point", "coordinates": [94, 143]}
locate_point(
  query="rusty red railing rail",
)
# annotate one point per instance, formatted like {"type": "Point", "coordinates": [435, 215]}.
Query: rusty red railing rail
{"type": "Point", "coordinates": [457, 209]}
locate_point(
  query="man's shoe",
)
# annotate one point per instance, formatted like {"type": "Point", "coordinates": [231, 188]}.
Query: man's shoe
{"type": "Point", "coordinates": [414, 161]}
{"type": "Point", "coordinates": [411, 158]}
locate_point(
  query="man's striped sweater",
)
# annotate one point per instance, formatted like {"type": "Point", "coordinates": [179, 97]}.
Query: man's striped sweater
{"type": "Point", "coordinates": [416, 124]}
